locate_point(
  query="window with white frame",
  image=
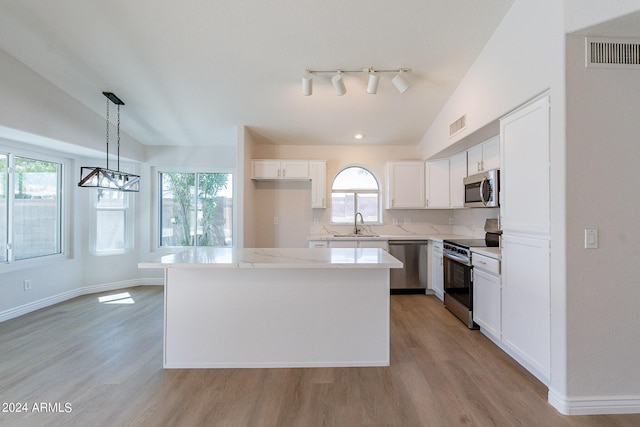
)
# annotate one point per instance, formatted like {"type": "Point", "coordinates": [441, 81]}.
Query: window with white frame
{"type": "Point", "coordinates": [196, 209]}
{"type": "Point", "coordinates": [355, 189]}
{"type": "Point", "coordinates": [112, 221]}
{"type": "Point", "coordinates": [30, 207]}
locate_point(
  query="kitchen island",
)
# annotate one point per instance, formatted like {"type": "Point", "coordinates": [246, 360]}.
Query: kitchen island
{"type": "Point", "coordinates": [249, 308]}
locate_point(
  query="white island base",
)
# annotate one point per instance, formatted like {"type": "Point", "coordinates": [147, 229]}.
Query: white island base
{"type": "Point", "coordinates": [299, 308]}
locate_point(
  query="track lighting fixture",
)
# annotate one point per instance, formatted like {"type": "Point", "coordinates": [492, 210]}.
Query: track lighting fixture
{"type": "Point", "coordinates": [307, 84]}
{"type": "Point", "coordinates": [400, 82]}
{"type": "Point", "coordinates": [338, 84]}
{"type": "Point", "coordinates": [372, 85]}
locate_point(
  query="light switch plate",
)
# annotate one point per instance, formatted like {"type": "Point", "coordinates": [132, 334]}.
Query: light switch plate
{"type": "Point", "coordinates": [590, 238]}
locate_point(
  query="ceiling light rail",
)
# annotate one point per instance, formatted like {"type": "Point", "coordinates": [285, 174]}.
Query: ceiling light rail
{"type": "Point", "coordinates": [105, 178]}
{"type": "Point", "coordinates": [399, 81]}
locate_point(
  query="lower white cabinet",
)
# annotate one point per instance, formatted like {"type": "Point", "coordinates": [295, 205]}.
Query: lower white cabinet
{"type": "Point", "coordinates": [487, 295]}
{"type": "Point", "coordinates": [526, 321]}
{"type": "Point", "coordinates": [318, 244]}
{"type": "Point", "coordinates": [437, 270]}
{"type": "Point", "coordinates": [350, 243]}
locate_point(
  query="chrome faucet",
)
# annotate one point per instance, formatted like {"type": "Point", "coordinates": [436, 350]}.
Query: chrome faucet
{"type": "Point", "coordinates": [355, 222]}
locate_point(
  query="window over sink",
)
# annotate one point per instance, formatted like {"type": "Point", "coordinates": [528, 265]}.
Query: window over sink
{"type": "Point", "coordinates": [355, 189]}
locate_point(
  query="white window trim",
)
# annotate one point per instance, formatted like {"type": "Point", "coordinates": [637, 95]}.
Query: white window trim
{"type": "Point", "coordinates": [155, 172]}
{"type": "Point", "coordinates": [378, 192]}
{"type": "Point", "coordinates": [66, 191]}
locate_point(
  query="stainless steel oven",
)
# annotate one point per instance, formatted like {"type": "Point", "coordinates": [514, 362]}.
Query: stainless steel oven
{"type": "Point", "coordinates": [458, 279]}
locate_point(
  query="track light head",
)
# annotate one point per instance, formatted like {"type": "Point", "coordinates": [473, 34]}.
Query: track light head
{"type": "Point", "coordinates": [338, 84]}
{"type": "Point", "coordinates": [307, 84]}
{"type": "Point", "coordinates": [372, 86]}
{"type": "Point", "coordinates": [400, 82]}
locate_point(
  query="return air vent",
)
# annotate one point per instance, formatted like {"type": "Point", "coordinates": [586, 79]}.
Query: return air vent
{"type": "Point", "coordinates": [458, 125]}
{"type": "Point", "coordinates": [604, 52]}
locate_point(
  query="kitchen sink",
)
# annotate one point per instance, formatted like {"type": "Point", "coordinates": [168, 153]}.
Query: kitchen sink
{"type": "Point", "coordinates": [356, 235]}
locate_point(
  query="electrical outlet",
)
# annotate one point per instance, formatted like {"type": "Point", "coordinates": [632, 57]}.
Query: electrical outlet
{"type": "Point", "coordinates": [395, 221]}
{"type": "Point", "coordinates": [450, 221]}
{"type": "Point", "coordinates": [27, 284]}
{"type": "Point", "coordinates": [315, 221]}
{"type": "Point", "coordinates": [275, 220]}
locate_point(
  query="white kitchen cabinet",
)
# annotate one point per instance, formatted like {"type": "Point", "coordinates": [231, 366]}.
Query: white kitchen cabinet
{"type": "Point", "coordinates": [526, 321]}
{"type": "Point", "coordinates": [437, 269]}
{"type": "Point", "coordinates": [318, 175]}
{"type": "Point", "coordinates": [265, 169]}
{"type": "Point", "coordinates": [457, 173]}
{"type": "Point", "coordinates": [381, 244]}
{"type": "Point", "coordinates": [524, 179]}
{"type": "Point", "coordinates": [437, 184]}
{"type": "Point", "coordinates": [318, 244]}
{"type": "Point", "coordinates": [353, 243]}
{"type": "Point", "coordinates": [405, 185]}
{"type": "Point", "coordinates": [487, 295]}
{"type": "Point", "coordinates": [279, 169]}
{"type": "Point", "coordinates": [484, 156]}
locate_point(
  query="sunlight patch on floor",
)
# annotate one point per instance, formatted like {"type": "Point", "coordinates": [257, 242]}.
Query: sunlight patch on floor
{"type": "Point", "coordinates": [121, 298]}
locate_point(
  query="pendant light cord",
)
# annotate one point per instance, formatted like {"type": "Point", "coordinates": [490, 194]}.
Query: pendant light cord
{"type": "Point", "coordinates": [108, 133]}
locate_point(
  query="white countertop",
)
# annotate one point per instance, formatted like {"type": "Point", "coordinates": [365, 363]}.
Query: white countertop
{"type": "Point", "coordinates": [436, 237]}
{"type": "Point", "coordinates": [490, 252]}
{"type": "Point", "coordinates": [276, 258]}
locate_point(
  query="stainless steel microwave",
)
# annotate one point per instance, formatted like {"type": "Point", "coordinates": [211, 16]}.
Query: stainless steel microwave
{"type": "Point", "coordinates": [482, 190]}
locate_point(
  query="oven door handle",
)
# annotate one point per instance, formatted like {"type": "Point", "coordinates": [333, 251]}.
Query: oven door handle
{"type": "Point", "coordinates": [457, 258]}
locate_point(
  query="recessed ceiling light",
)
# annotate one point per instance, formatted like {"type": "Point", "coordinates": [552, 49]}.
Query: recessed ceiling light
{"type": "Point", "coordinates": [359, 136]}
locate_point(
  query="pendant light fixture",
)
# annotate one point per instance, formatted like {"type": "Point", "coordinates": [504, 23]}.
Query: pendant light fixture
{"type": "Point", "coordinates": [105, 178]}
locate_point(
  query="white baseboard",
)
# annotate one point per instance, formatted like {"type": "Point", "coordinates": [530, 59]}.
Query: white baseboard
{"type": "Point", "coordinates": [93, 289]}
{"type": "Point", "coordinates": [594, 405]}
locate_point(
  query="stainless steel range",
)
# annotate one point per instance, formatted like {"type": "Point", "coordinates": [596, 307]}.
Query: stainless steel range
{"type": "Point", "coordinates": [458, 275]}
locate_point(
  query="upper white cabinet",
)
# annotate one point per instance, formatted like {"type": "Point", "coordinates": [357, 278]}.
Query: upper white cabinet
{"type": "Point", "coordinates": [524, 179]}
{"type": "Point", "coordinates": [405, 185]}
{"type": "Point", "coordinates": [457, 173]}
{"type": "Point", "coordinates": [484, 157]}
{"type": "Point", "coordinates": [279, 169]}
{"type": "Point", "coordinates": [437, 184]}
{"type": "Point", "coordinates": [314, 170]}
{"type": "Point", "coordinates": [318, 175]}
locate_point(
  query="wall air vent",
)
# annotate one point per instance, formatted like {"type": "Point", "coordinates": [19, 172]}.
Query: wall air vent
{"type": "Point", "coordinates": [605, 52]}
{"type": "Point", "coordinates": [458, 125]}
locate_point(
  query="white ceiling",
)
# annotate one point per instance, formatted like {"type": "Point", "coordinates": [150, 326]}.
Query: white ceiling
{"type": "Point", "coordinates": [190, 71]}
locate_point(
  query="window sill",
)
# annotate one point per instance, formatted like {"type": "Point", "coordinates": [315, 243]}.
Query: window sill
{"type": "Point", "coordinates": [7, 267]}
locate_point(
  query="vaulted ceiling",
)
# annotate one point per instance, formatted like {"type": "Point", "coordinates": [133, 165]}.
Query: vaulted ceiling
{"type": "Point", "coordinates": [191, 71]}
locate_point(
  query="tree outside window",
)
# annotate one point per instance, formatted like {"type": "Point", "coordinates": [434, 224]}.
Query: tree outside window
{"type": "Point", "coordinates": [196, 209]}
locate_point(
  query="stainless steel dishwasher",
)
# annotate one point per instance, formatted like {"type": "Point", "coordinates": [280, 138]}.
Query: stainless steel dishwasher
{"type": "Point", "coordinates": [412, 277]}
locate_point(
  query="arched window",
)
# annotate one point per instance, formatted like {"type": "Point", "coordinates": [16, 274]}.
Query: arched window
{"type": "Point", "coordinates": [354, 190]}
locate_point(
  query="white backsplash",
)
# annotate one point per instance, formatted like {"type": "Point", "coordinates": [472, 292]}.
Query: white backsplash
{"type": "Point", "coordinates": [384, 229]}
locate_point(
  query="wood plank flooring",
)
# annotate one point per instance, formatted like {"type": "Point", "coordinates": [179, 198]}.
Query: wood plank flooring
{"type": "Point", "coordinates": [105, 362]}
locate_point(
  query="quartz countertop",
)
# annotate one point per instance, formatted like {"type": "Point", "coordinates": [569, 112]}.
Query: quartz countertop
{"type": "Point", "coordinates": [490, 252]}
{"type": "Point", "coordinates": [436, 237]}
{"type": "Point", "coordinates": [276, 258]}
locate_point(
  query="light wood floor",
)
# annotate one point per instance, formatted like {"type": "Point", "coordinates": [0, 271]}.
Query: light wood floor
{"type": "Point", "coordinates": [105, 360]}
